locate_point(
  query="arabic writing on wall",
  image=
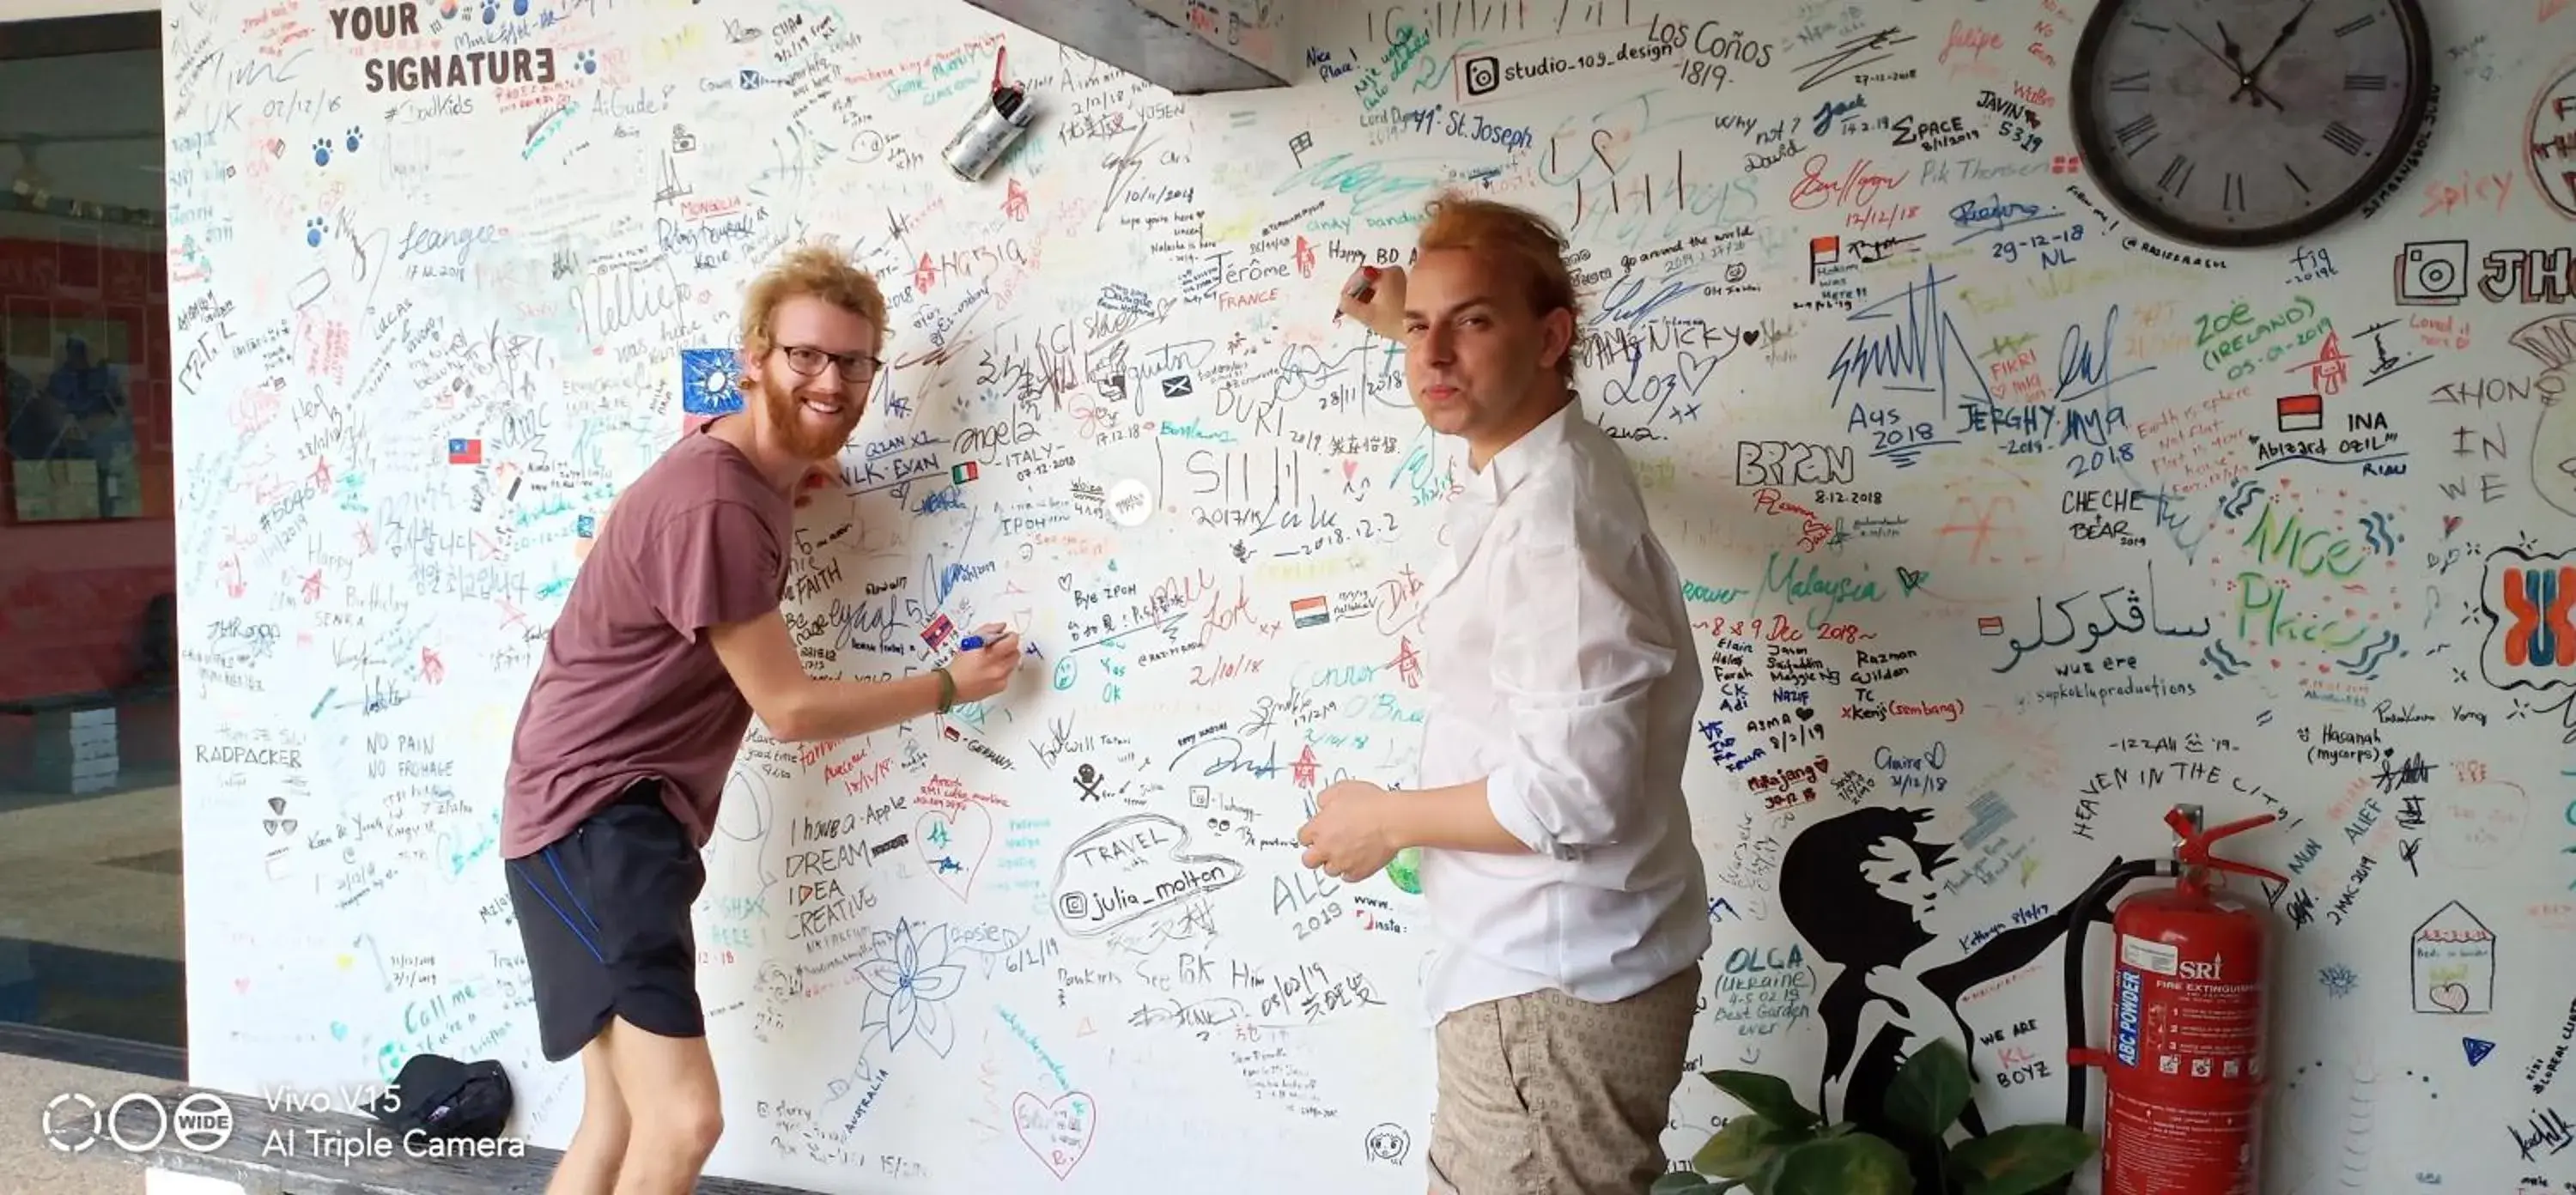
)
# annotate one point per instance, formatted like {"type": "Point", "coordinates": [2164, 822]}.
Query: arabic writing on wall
{"type": "Point", "coordinates": [2005, 526]}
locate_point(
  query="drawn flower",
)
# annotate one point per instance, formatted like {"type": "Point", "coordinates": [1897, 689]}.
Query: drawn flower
{"type": "Point", "coordinates": [908, 989]}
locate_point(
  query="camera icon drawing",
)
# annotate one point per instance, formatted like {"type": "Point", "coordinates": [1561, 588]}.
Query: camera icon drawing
{"type": "Point", "coordinates": [2432, 273]}
{"type": "Point", "coordinates": [1483, 74]}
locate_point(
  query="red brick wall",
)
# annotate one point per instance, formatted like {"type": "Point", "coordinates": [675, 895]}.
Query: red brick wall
{"type": "Point", "coordinates": [72, 598]}
{"type": "Point", "coordinates": [72, 595]}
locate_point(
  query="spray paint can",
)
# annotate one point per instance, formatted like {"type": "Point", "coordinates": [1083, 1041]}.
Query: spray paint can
{"type": "Point", "coordinates": [1006, 114]}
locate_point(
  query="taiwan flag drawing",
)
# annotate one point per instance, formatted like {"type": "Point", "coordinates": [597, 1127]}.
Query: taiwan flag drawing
{"type": "Point", "coordinates": [938, 631]}
{"type": "Point", "coordinates": [707, 382]}
{"type": "Point", "coordinates": [961, 474]}
{"type": "Point", "coordinates": [464, 452]}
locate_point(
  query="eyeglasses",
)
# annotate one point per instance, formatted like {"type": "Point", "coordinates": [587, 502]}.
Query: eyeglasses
{"type": "Point", "coordinates": [858, 369]}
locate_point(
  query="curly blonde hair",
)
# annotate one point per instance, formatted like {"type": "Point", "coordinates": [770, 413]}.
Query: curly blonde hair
{"type": "Point", "coordinates": [1523, 241]}
{"type": "Point", "coordinates": [809, 270]}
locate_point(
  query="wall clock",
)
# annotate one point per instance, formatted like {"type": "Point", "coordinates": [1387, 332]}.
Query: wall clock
{"type": "Point", "coordinates": [2231, 124]}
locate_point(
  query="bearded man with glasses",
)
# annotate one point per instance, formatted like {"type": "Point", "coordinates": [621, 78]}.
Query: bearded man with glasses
{"type": "Point", "coordinates": [669, 644]}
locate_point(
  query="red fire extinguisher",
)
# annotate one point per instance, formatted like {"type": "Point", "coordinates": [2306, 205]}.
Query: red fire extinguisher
{"type": "Point", "coordinates": [2183, 1076]}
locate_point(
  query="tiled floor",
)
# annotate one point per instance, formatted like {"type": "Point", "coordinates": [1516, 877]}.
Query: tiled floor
{"type": "Point", "coordinates": [161, 862]}
{"type": "Point", "coordinates": [90, 939]}
{"type": "Point", "coordinates": [90, 933]}
{"type": "Point", "coordinates": [27, 1162]}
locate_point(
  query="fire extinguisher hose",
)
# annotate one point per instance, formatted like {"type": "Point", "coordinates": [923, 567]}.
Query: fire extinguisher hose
{"type": "Point", "coordinates": [2092, 905]}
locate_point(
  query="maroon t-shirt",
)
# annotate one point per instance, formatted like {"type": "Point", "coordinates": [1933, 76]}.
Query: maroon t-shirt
{"type": "Point", "coordinates": [629, 687]}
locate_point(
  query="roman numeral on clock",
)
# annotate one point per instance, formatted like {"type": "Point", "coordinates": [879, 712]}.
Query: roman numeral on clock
{"type": "Point", "coordinates": [2136, 134]}
{"type": "Point", "coordinates": [2136, 82]}
{"type": "Point", "coordinates": [2365, 82]}
{"type": "Point", "coordinates": [2356, 25]}
{"type": "Point", "coordinates": [2177, 176]}
{"type": "Point", "coordinates": [2343, 138]}
{"type": "Point", "coordinates": [2231, 194]}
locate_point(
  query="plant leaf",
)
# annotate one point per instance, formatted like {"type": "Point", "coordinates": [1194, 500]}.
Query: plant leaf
{"type": "Point", "coordinates": [1767, 1180]}
{"type": "Point", "coordinates": [1766, 1095]}
{"type": "Point", "coordinates": [1681, 1182]}
{"type": "Point", "coordinates": [1859, 1164]}
{"type": "Point", "coordinates": [2020, 1159]}
{"type": "Point", "coordinates": [1929, 1091]}
{"type": "Point", "coordinates": [1739, 1149]}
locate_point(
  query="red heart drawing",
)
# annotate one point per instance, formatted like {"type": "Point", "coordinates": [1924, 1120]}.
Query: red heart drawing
{"type": "Point", "coordinates": [1057, 1131]}
{"type": "Point", "coordinates": [2452, 997]}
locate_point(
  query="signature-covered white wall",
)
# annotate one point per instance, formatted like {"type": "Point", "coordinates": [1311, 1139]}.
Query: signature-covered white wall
{"type": "Point", "coordinates": [1994, 508]}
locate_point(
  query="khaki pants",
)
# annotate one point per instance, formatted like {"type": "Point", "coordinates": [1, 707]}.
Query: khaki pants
{"type": "Point", "coordinates": [1545, 1094]}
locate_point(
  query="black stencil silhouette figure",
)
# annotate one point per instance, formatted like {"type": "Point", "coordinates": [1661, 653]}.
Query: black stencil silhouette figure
{"type": "Point", "coordinates": [1860, 887]}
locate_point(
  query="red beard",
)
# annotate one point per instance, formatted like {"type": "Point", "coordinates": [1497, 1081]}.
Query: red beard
{"type": "Point", "coordinates": [796, 429]}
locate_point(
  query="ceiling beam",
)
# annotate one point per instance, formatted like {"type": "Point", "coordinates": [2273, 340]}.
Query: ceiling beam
{"type": "Point", "coordinates": [39, 10]}
{"type": "Point", "coordinates": [65, 36]}
{"type": "Point", "coordinates": [1132, 37]}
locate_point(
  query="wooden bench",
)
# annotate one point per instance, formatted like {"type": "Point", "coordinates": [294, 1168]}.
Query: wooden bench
{"type": "Point", "coordinates": [370, 1160]}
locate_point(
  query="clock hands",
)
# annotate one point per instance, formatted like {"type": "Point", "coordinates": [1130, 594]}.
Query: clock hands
{"type": "Point", "coordinates": [2235, 66]}
{"type": "Point", "coordinates": [2247, 82]}
{"type": "Point", "coordinates": [2213, 52]}
{"type": "Point", "coordinates": [2244, 77]}
{"type": "Point", "coordinates": [2245, 74]}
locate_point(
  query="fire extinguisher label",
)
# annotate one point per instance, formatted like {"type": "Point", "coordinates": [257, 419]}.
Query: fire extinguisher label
{"type": "Point", "coordinates": [2149, 956]}
{"type": "Point", "coordinates": [2184, 1089]}
{"type": "Point", "coordinates": [2126, 1044]}
{"type": "Point", "coordinates": [2172, 1147]}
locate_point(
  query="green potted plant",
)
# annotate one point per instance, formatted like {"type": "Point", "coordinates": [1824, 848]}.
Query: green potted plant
{"type": "Point", "coordinates": [1778, 1147]}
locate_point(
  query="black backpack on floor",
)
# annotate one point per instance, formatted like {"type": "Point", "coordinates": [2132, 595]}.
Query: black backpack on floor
{"type": "Point", "coordinates": [442, 1097]}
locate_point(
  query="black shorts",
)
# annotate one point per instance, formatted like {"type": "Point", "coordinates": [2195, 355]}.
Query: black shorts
{"type": "Point", "coordinates": [604, 912]}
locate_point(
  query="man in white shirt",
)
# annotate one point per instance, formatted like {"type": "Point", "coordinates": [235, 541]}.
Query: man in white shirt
{"type": "Point", "coordinates": [1557, 860]}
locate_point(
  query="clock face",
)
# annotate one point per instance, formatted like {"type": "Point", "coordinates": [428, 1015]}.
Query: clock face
{"type": "Point", "coordinates": [2247, 122]}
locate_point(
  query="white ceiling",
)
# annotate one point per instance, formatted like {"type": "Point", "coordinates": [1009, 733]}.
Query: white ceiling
{"type": "Point", "coordinates": [34, 10]}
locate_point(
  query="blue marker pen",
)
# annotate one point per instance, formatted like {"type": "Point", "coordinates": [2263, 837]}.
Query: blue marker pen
{"type": "Point", "coordinates": [970, 643]}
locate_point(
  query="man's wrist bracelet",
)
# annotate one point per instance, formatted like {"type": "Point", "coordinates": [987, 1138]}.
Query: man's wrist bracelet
{"type": "Point", "coordinates": [947, 689]}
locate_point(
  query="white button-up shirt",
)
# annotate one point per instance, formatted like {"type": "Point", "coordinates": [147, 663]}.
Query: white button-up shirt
{"type": "Point", "coordinates": [1562, 671]}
